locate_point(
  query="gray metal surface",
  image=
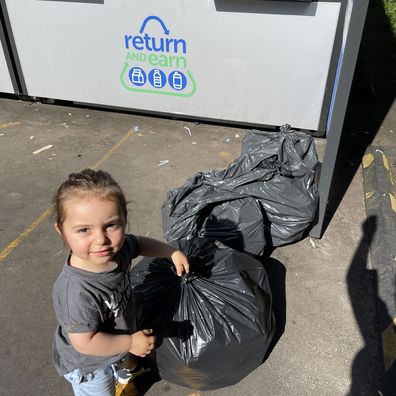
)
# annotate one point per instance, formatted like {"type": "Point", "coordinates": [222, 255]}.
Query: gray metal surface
{"type": "Point", "coordinates": [5, 77]}
{"type": "Point", "coordinates": [260, 62]}
{"type": "Point", "coordinates": [10, 54]}
{"type": "Point", "coordinates": [353, 28]}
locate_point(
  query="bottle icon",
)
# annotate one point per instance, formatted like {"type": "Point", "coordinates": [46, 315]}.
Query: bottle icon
{"type": "Point", "coordinates": [177, 80]}
{"type": "Point", "coordinates": [157, 79]}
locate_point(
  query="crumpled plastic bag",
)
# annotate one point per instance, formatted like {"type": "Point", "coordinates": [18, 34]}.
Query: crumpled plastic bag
{"type": "Point", "coordinates": [267, 196]}
{"type": "Point", "coordinates": [214, 325]}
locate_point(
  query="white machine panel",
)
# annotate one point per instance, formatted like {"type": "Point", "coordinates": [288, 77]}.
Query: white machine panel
{"type": "Point", "coordinates": [246, 61]}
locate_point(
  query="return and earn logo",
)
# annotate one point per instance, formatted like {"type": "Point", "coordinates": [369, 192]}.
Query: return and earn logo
{"type": "Point", "coordinates": [157, 64]}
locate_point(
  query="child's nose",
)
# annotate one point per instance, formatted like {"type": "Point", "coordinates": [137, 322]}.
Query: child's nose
{"type": "Point", "coordinates": [101, 237]}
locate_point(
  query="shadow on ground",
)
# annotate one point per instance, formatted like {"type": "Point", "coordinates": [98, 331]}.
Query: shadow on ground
{"type": "Point", "coordinates": [276, 272]}
{"type": "Point", "coordinates": [368, 367]}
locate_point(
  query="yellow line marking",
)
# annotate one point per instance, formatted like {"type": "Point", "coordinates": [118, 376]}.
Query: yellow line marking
{"type": "Point", "coordinates": [385, 161]}
{"type": "Point", "coordinates": [12, 245]}
{"type": "Point", "coordinates": [393, 201]}
{"type": "Point", "coordinates": [113, 149]}
{"type": "Point", "coordinates": [194, 394]}
{"type": "Point", "coordinates": [367, 160]}
{"type": "Point", "coordinates": [389, 344]}
{"type": "Point", "coordinates": [368, 195]}
{"type": "Point", "coordinates": [9, 124]}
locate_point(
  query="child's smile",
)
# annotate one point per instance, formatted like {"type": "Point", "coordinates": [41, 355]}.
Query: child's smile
{"type": "Point", "coordinates": [94, 230]}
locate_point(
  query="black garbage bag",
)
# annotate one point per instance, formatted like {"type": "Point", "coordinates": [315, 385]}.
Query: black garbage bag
{"type": "Point", "coordinates": [266, 196]}
{"type": "Point", "coordinates": [237, 223]}
{"type": "Point", "coordinates": [213, 325]}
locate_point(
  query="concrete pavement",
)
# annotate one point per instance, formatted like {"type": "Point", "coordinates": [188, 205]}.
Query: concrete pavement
{"type": "Point", "coordinates": [328, 341]}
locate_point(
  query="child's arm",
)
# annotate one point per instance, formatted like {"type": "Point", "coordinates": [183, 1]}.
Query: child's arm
{"type": "Point", "coordinates": [154, 248]}
{"type": "Point", "coordinates": [140, 343]}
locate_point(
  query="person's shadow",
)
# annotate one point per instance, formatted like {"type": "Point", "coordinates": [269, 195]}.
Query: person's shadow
{"type": "Point", "coordinates": [368, 376]}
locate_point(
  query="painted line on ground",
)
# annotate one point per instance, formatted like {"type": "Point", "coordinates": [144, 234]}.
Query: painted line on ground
{"type": "Point", "coordinates": [9, 124]}
{"type": "Point", "coordinates": [11, 246]}
{"type": "Point", "coordinates": [380, 201]}
{"type": "Point", "coordinates": [23, 235]}
{"type": "Point", "coordinates": [389, 344]}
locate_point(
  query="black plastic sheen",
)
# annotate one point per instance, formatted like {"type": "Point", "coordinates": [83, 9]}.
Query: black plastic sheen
{"type": "Point", "coordinates": [213, 325]}
{"type": "Point", "coordinates": [267, 196]}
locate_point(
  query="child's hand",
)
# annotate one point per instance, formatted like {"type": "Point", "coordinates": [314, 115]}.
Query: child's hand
{"type": "Point", "coordinates": [142, 342]}
{"type": "Point", "coordinates": [181, 262]}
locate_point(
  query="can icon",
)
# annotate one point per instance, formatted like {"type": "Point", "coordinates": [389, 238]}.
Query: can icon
{"type": "Point", "coordinates": [177, 80]}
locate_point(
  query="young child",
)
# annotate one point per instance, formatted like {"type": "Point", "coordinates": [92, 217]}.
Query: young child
{"type": "Point", "coordinates": [92, 296]}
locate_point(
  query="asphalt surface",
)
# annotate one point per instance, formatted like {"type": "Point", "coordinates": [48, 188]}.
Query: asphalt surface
{"type": "Point", "coordinates": [328, 342]}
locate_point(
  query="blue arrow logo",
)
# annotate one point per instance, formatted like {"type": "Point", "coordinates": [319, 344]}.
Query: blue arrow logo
{"type": "Point", "coordinates": [158, 19]}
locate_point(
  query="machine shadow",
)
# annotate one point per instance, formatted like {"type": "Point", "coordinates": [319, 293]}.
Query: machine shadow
{"type": "Point", "coordinates": [372, 95]}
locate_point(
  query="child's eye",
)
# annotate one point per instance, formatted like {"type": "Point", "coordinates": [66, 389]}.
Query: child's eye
{"type": "Point", "coordinates": [113, 226]}
{"type": "Point", "coordinates": [83, 230]}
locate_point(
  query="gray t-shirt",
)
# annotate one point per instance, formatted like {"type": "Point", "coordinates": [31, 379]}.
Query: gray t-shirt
{"type": "Point", "coordinates": [92, 302]}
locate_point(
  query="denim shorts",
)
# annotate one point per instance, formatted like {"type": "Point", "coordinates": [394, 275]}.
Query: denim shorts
{"type": "Point", "coordinates": [100, 382]}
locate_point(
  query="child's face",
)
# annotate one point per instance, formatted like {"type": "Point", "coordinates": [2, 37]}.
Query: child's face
{"type": "Point", "coordinates": [94, 230]}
